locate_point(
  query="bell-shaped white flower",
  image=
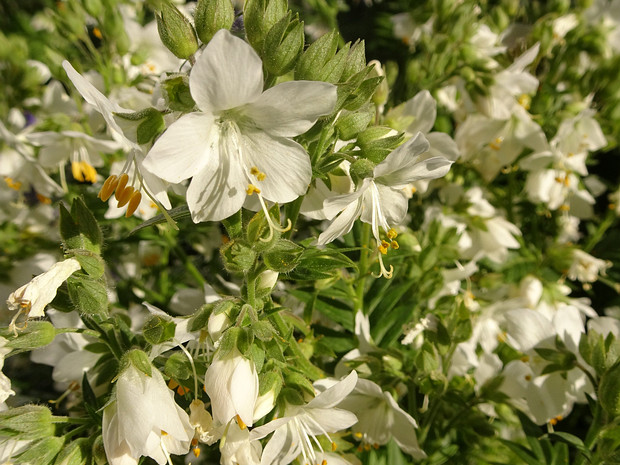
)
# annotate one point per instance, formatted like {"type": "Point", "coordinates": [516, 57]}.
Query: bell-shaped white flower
{"type": "Point", "coordinates": [240, 142]}
{"type": "Point", "coordinates": [144, 420]}
{"type": "Point", "coordinates": [231, 382]}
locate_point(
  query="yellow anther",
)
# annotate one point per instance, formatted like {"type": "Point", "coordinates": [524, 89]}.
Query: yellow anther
{"type": "Point", "coordinates": [261, 176]}
{"type": "Point", "coordinates": [83, 172]}
{"type": "Point", "coordinates": [375, 445]}
{"type": "Point", "coordinates": [559, 179]}
{"type": "Point", "coordinates": [254, 171]}
{"type": "Point", "coordinates": [366, 447]}
{"type": "Point", "coordinates": [334, 446]}
{"type": "Point", "coordinates": [394, 245]}
{"type": "Point", "coordinates": [15, 185]}
{"type": "Point", "coordinates": [392, 234]}
{"type": "Point", "coordinates": [163, 433]}
{"type": "Point", "coordinates": [525, 101]}
{"type": "Point", "coordinates": [108, 188]}
{"type": "Point", "coordinates": [252, 189]}
{"type": "Point", "coordinates": [567, 181]}
{"type": "Point", "coordinates": [258, 173]}
{"type": "Point", "coordinates": [324, 462]}
{"type": "Point", "coordinates": [41, 198]}
{"type": "Point", "coordinates": [528, 377]}
{"type": "Point", "coordinates": [196, 452]}
{"type": "Point", "coordinates": [383, 248]}
{"type": "Point", "coordinates": [97, 33]}
{"type": "Point", "coordinates": [120, 187]}
{"type": "Point", "coordinates": [565, 207]}
{"type": "Point", "coordinates": [358, 435]}
{"type": "Point", "coordinates": [172, 384]}
{"type": "Point", "coordinates": [497, 143]}
{"type": "Point", "coordinates": [413, 190]}
{"type": "Point", "coordinates": [525, 359]}
{"type": "Point", "coordinates": [501, 337]}
{"type": "Point", "coordinates": [125, 196]}
{"type": "Point", "coordinates": [240, 422]}
{"type": "Point", "coordinates": [133, 204]}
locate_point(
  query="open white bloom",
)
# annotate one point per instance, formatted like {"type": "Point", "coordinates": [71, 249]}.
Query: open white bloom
{"type": "Point", "coordinates": [585, 267]}
{"type": "Point", "coordinates": [231, 382]}
{"type": "Point", "coordinates": [240, 142]}
{"type": "Point", "coordinates": [32, 298]}
{"type": "Point", "coordinates": [380, 200]}
{"type": "Point", "coordinates": [296, 432]}
{"type": "Point", "coordinates": [380, 418]}
{"type": "Point", "coordinates": [144, 420]}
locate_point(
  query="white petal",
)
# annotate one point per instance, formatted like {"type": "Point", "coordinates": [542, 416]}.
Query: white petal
{"type": "Point", "coordinates": [284, 162]}
{"type": "Point", "coordinates": [341, 225]}
{"type": "Point", "coordinates": [331, 420]}
{"type": "Point", "coordinates": [335, 394]}
{"type": "Point", "coordinates": [442, 145]}
{"type": "Point", "coordinates": [291, 108]}
{"type": "Point", "coordinates": [218, 190]}
{"type": "Point", "coordinates": [244, 390]}
{"type": "Point", "coordinates": [424, 109]}
{"type": "Point", "coordinates": [226, 75]}
{"type": "Point", "coordinates": [184, 149]}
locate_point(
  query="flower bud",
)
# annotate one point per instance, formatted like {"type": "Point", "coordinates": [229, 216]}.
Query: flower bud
{"type": "Point", "coordinates": [211, 16]}
{"type": "Point", "coordinates": [176, 31]}
{"type": "Point", "coordinates": [362, 169]}
{"type": "Point", "coordinates": [259, 17]}
{"type": "Point", "coordinates": [237, 256]}
{"type": "Point", "coordinates": [28, 422]}
{"type": "Point", "coordinates": [283, 45]}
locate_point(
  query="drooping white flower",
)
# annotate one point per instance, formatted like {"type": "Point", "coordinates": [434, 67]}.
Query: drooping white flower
{"type": "Point", "coordinates": [144, 420]}
{"type": "Point", "coordinates": [32, 298]}
{"type": "Point", "coordinates": [5, 382]}
{"type": "Point", "coordinates": [240, 142]}
{"type": "Point", "coordinates": [239, 448]}
{"type": "Point", "coordinates": [295, 433]}
{"type": "Point", "coordinates": [231, 382]}
{"type": "Point", "coordinates": [379, 200]}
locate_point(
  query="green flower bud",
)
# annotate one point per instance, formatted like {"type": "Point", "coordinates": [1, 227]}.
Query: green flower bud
{"type": "Point", "coordinates": [176, 31]}
{"type": "Point", "coordinates": [259, 16]}
{"type": "Point", "coordinates": [211, 16]}
{"type": "Point", "coordinates": [139, 360]}
{"type": "Point", "coordinates": [43, 452]}
{"type": "Point", "coordinates": [283, 45]}
{"type": "Point", "coordinates": [350, 124]}
{"type": "Point", "coordinates": [320, 62]}
{"type": "Point", "coordinates": [98, 452]}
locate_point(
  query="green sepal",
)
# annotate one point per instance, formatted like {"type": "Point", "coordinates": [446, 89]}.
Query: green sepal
{"type": "Point", "coordinates": [257, 356]}
{"type": "Point", "coordinates": [88, 226]}
{"type": "Point", "coordinates": [259, 16]}
{"type": "Point", "coordinates": [89, 296]}
{"type": "Point", "coordinates": [158, 329]}
{"type": "Point", "coordinates": [257, 229]}
{"type": "Point", "coordinates": [150, 127]}
{"type": "Point", "coordinates": [320, 264]}
{"type": "Point", "coordinates": [283, 256]}
{"type": "Point", "coordinates": [263, 330]}
{"type": "Point", "coordinates": [234, 225]}
{"type": "Point", "coordinates": [41, 452]}
{"type": "Point", "coordinates": [76, 452]}
{"type": "Point", "coordinates": [350, 124]}
{"type": "Point", "coordinates": [140, 361]}
{"type": "Point", "coordinates": [90, 262]}
{"type": "Point", "coordinates": [200, 319]}
{"type": "Point", "coordinates": [238, 256]}
{"type": "Point", "coordinates": [35, 334]}
{"type": "Point", "coordinates": [178, 367]}
{"type": "Point", "coordinates": [299, 382]}
{"type": "Point", "coordinates": [28, 422]}
{"type": "Point", "coordinates": [283, 45]}
{"type": "Point", "coordinates": [177, 93]}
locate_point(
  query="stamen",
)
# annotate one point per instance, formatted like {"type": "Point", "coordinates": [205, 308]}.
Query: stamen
{"type": "Point", "coordinates": [43, 199]}
{"type": "Point", "coordinates": [122, 182]}
{"type": "Point", "coordinates": [134, 203]}
{"type": "Point", "coordinates": [394, 245]}
{"type": "Point", "coordinates": [383, 248]}
{"type": "Point", "coordinates": [272, 226]}
{"type": "Point", "coordinates": [240, 422]}
{"type": "Point", "coordinates": [392, 234]}
{"type": "Point", "coordinates": [497, 143]}
{"type": "Point", "coordinates": [525, 101]}
{"type": "Point", "coordinates": [108, 188]}
{"type": "Point", "coordinates": [125, 196]}
{"type": "Point", "coordinates": [252, 189]}
{"type": "Point", "coordinates": [15, 185]}
{"type": "Point", "coordinates": [334, 446]}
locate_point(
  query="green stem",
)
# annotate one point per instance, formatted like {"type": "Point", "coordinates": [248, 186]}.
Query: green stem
{"type": "Point", "coordinates": [292, 213]}
{"type": "Point", "coordinates": [595, 238]}
{"type": "Point", "coordinates": [363, 268]}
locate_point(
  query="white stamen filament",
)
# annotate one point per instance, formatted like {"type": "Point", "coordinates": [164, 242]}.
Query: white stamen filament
{"type": "Point", "coordinates": [272, 225]}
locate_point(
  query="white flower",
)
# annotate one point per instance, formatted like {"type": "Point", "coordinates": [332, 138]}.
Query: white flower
{"type": "Point", "coordinates": [123, 133]}
{"type": "Point", "coordinates": [239, 448]}
{"type": "Point", "coordinates": [32, 298]}
{"type": "Point", "coordinates": [144, 420]}
{"type": "Point", "coordinates": [296, 432]}
{"type": "Point", "coordinates": [379, 200]}
{"type": "Point", "coordinates": [231, 382]}
{"type": "Point", "coordinates": [585, 267]}
{"type": "Point", "coordinates": [380, 418]}
{"type": "Point", "coordinates": [240, 142]}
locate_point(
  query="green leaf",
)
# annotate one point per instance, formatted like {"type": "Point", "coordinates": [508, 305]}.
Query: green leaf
{"type": "Point", "coordinates": [158, 329]}
{"type": "Point", "coordinates": [522, 452]}
{"type": "Point", "coordinates": [88, 226]}
{"type": "Point", "coordinates": [42, 452]}
{"type": "Point", "coordinates": [283, 256]}
{"type": "Point", "coordinates": [178, 367]}
{"type": "Point", "coordinates": [88, 295]}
